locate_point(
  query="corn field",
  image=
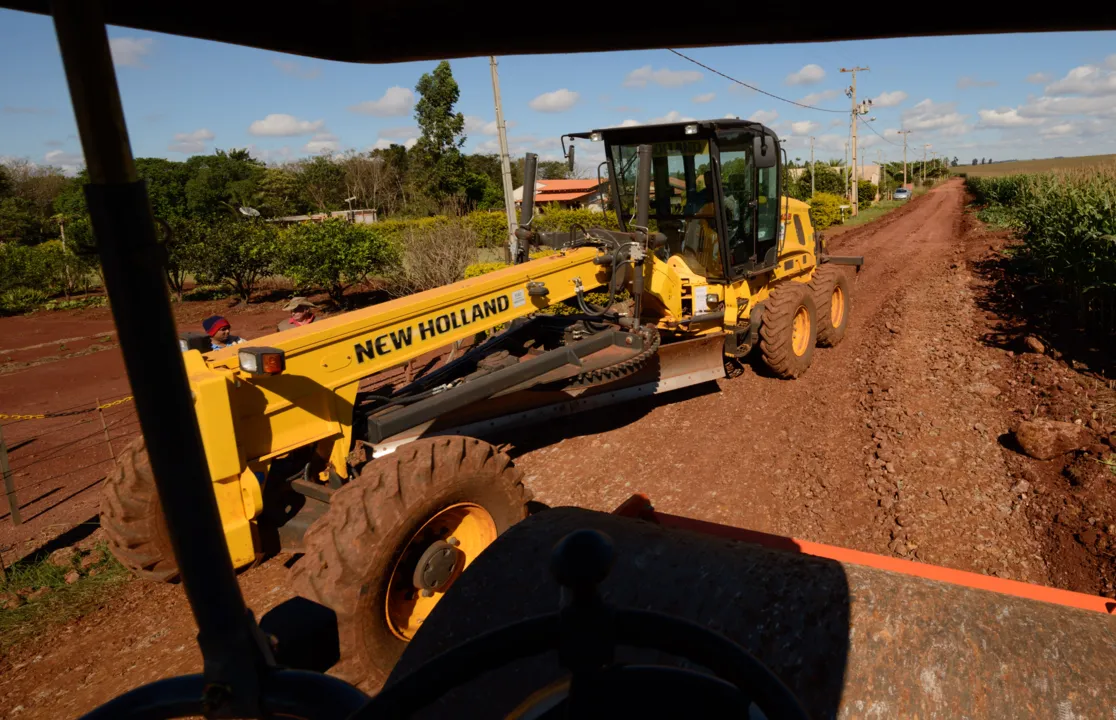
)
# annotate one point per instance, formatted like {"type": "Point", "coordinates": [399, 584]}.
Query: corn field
{"type": "Point", "coordinates": [1067, 222]}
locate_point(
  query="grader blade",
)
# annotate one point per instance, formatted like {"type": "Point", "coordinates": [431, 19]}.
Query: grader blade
{"type": "Point", "coordinates": [674, 366]}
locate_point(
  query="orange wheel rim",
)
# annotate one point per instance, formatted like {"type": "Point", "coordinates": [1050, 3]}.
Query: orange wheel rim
{"type": "Point", "coordinates": [800, 332]}
{"type": "Point", "coordinates": [465, 526]}
{"type": "Point", "coordinates": [837, 307]}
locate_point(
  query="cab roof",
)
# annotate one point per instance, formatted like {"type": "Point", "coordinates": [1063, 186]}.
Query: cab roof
{"type": "Point", "coordinates": [636, 134]}
{"type": "Point", "coordinates": [382, 31]}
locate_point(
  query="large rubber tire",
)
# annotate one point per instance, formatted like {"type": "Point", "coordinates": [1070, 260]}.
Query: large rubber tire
{"type": "Point", "coordinates": [351, 551]}
{"type": "Point", "coordinates": [132, 517]}
{"type": "Point", "coordinates": [777, 331]}
{"type": "Point", "coordinates": [830, 288]}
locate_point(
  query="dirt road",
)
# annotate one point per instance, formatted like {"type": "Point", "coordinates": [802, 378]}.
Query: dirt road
{"type": "Point", "coordinates": [887, 444]}
{"type": "Point", "coordinates": [893, 442]}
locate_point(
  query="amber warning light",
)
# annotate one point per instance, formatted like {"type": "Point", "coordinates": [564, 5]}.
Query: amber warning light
{"type": "Point", "coordinates": [262, 360]}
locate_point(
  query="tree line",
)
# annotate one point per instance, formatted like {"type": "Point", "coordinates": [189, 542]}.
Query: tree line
{"type": "Point", "coordinates": [46, 240]}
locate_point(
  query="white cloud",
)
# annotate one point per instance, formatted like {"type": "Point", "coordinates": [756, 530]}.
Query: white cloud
{"type": "Point", "coordinates": [478, 125]}
{"type": "Point", "coordinates": [671, 117]}
{"type": "Point", "coordinates": [804, 127]}
{"type": "Point", "coordinates": [1110, 61]}
{"type": "Point", "coordinates": [730, 116]}
{"type": "Point", "coordinates": [928, 115]}
{"type": "Point", "coordinates": [1090, 80]}
{"type": "Point", "coordinates": [283, 125]}
{"type": "Point", "coordinates": [191, 143]}
{"type": "Point", "coordinates": [1104, 106]}
{"type": "Point", "coordinates": [410, 143]}
{"type": "Point", "coordinates": [764, 116]}
{"type": "Point", "coordinates": [130, 51]}
{"type": "Point", "coordinates": [1039, 78]}
{"type": "Point", "coordinates": [1005, 118]}
{"type": "Point", "coordinates": [70, 163]}
{"type": "Point", "coordinates": [662, 77]}
{"type": "Point", "coordinates": [395, 102]}
{"type": "Point", "coordinates": [967, 81]}
{"type": "Point", "coordinates": [704, 98]}
{"type": "Point", "coordinates": [322, 142]}
{"type": "Point", "coordinates": [836, 122]}
{"type": "Point", "coordinates": [808, 75]}
{"type": "Point", "coordinates": [295, 69]}
{"type": "Point", "coordinates": [553, 102]}
{"type": "Point", "coordinates": [1078, 129]}
{"type": "Point", "coordinates": [818, 97]}
{"type": "Point", "coordinates": [630, 123]}
{"type": "Point", "coordinates": [889, 99]}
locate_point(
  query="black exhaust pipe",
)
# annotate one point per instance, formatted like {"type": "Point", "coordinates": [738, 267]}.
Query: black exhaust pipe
{"type": "Point", "coordinates": [643, 186]}
{"type": "Point", "coordinates": [527, 207]}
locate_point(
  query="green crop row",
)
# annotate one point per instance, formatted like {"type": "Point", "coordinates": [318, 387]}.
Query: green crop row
{"type": "Point", "coordinates": [1067, 224]}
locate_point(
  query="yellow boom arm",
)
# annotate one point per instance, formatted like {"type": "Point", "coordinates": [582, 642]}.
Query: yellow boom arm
{"type": "Point", "coordinates": [247, 420]}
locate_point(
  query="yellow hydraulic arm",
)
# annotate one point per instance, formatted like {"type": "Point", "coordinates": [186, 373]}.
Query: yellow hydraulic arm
{"type": "Point", "coordinates": [247, 419]}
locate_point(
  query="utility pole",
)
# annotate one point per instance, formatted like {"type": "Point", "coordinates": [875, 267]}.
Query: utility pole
{"type": "Point", "coordinates": [811, 166]}
{"type": "Point", "coordinates": [857, 111]}
{"type": "Point", "coordinates": [904, 133]}
{"type": "Point", "coordinates": [924, 162]}
{"type": "Point", "coordinates": [505, 160]}
{"type": "Point", "coordinates": [846, 170]}
{"type": "Point", "coordinates": [879, 164]}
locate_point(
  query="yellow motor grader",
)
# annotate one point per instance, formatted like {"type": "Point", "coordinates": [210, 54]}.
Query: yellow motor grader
{"type": "Point", "coordinates": [384, 485]}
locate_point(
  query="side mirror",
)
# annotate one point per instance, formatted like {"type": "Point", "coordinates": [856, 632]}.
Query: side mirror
{"type": "Point", "coordinates": [766, 152]}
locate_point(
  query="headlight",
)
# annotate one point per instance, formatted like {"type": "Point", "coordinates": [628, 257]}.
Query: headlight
{"type": "Point", "coordinates": [262, 360]}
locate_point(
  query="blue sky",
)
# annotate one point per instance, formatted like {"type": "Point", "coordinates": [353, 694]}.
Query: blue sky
{"type": "Point", "coordinates": [1006, 96]}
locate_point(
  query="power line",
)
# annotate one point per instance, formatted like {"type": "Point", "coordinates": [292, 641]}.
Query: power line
{"type": "Point", "coordinates": [862, 122]}
{"type": "Point", "coordinates": [753, 87]}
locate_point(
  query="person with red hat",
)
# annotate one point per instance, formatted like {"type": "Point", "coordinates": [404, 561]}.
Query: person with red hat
{"type": "Point", "coordinates": [220, 332]}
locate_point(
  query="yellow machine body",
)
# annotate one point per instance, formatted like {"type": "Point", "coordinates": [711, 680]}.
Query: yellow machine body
{"type": "Point", "coordinates": [248, 420]}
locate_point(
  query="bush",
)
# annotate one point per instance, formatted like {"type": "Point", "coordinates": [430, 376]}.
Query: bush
{"type": "Point", "coordinates": [333, 255]}
{"type": "Point", "coordinates": [240, 252]}
{"type": "Point", "coordinates": [433, 256]}
{"type": "Point", "coordinates": [866, 193]}
{"type": "Point", "coordinates": [483, 268]}
{"type": "Point", "coordinates": [558, 219]}
{"type": "Point", "coordinates": [22, 266]}
{"type": "Point", "coordinates": [20, 300]}
{"type": "Point", "coordinates": [825, 210]}
{"type": "Point", "coordinates": [491, 228]}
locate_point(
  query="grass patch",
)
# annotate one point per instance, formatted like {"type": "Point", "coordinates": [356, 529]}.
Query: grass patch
{"type": "Point", "coordinates": [883, 207]}
{"type": "Point", "coordinates": [29, 611]}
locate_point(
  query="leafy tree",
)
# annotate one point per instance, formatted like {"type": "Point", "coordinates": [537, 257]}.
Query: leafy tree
{"type": "Point", "coordinates": [322, 183]}
{"type": "Point", "coordinates": [866, 193]}
{"type": "Point", "coordinates": [974, 161]}
{"type": "Point", "coordinates": [333, 255]}
{"type": "Point", "coordinates": [240, 252]}
{"type": "Point", "coordinates": [826, 179]}
{"type": "Point", "coordinates": [443, 131]}
{"type": "Point", "coordinates": [278, 193]}
{"type": "Point", "coordinates": [553, 170]}
{"type": "Point", "coordinates": [18, 222]}
{"type": "Point", "coordinates": [186, 250]}
{"type": "Point", "coordinates": [954, 162]}
{"type": "Point", "coordinates": [220, 183]}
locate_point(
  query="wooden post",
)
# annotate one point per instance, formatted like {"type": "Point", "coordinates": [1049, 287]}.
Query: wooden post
{"type": "Point", "coordinates": [9, 484]}
{"type": "Point", "coordinates": [101, 414]}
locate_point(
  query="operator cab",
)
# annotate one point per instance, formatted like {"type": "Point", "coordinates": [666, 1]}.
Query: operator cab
{"type": "Point", "coordinates": [715, 188]}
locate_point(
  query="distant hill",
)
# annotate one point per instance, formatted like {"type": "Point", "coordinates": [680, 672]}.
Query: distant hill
{"type": "Point", "coordinates": [1034, 166]}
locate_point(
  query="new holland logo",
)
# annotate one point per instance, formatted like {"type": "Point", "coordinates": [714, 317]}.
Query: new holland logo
{"type": "Point", "coordinates": [428, 329]}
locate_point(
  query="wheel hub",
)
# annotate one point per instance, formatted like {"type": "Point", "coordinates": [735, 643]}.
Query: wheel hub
{"type": "Point", "coordinates": [438, 567]}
